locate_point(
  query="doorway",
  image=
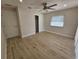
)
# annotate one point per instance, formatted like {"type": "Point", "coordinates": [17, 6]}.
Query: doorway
{"type": "Point", "coordinates": [37, 23]}
{"type": "Point", "coordinates": [10, 22]}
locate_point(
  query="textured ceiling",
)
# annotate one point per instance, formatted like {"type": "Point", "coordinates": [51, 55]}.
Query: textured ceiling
{"type": "Point", "coordinates": [36, 4]}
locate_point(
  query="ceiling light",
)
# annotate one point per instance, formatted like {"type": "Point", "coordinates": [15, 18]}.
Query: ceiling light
{"type": "Point", "coordinates": [65, 5]}
{"type": "Point", "coordinates": [20, 0]}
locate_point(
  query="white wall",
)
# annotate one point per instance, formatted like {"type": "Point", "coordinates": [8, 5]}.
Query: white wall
{"type": "Point", "coordinates": [10, 22]}
{"type": "Point", "coordinates": [27, 21]}
{"type": "Point", "coordinates": [3, 45]}
{"type": "Point", "coordinates": [70, 22]}
{"type": "Point", "coordinates": [41, 22]}
{"type": "Point", "coordinates": [76, 44]}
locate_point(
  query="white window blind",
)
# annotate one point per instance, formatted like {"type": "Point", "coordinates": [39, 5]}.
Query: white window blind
{"type": "Point", "coordinates": [57, 21]}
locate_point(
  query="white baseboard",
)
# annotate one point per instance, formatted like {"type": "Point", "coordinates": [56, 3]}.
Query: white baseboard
{"type": "Point", "coordinates": [65, 35]}
{"type": "Point", "coordinates": [41, 30]}
{"type": "Point", "coordinates": [28, 35]}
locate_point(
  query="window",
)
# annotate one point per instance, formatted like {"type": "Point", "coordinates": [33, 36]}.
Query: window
{"type": "Point", "coordinates": [57, 21]}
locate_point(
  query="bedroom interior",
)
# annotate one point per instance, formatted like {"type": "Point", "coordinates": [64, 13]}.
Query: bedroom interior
{"type": "Point", "coordinates": [39, 29]}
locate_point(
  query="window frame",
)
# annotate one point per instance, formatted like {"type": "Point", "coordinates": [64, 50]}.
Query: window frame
{"type": "Point", "coordinates": [57, 26]}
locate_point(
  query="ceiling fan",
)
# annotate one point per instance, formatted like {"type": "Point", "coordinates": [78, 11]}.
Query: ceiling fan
{"type": "Point", "coordinates": [45, 6]}
{"type": "Point", "coordinates": [48, 7]}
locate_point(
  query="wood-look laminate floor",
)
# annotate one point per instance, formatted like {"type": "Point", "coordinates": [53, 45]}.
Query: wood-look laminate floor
{"type": "Point", "coordinates": [41, 46]}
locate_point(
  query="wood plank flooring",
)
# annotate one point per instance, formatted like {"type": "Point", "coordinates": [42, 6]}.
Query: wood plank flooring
{"type": "Point", "coordinates": [41, 46]}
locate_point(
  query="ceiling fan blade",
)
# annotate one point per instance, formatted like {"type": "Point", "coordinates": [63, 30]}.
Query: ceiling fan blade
{"type": "Point", "coordinates": [51, 8]}
{"type": "Point", "coordinates": [53, 5]}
